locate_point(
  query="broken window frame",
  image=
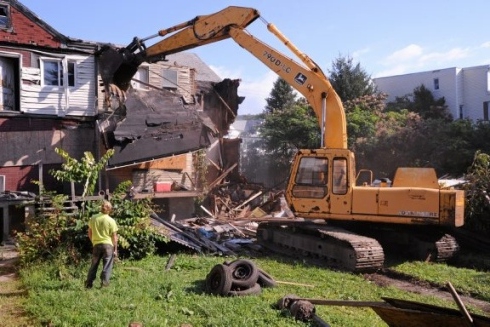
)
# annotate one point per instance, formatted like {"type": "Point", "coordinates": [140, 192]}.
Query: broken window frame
{"type": "Point", "coordinates": [142, 74]}
{"type": "Point", "coordinates": [63, 72]}
{"type": "Point", "coordinates": [170, 79]}
{"type": "Point", "coordinates": [5, 21]}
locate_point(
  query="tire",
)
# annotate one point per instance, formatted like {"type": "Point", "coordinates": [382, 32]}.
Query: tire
{"type": "Point", "coordinates": [254, 290]}
{"type": "Point", "coordinates": [244, 273]}
{"type": "Point", "coordinates": [218, 280]}
{"type": "Point", "coordinates": [266, 280]}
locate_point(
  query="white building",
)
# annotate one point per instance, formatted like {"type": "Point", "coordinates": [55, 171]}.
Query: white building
{"type": "Point", "coordinates": [466, 90]}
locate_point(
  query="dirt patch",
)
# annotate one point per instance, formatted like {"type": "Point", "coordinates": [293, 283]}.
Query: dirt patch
{"type": "Point", "coordinates": [9, 256]}
{"type": "Point", "coordinates": [12, 294]}
{"type": "Point", "coordinates": [409, 284]}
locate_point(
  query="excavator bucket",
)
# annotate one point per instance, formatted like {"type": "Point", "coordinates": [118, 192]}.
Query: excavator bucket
{"type": "Point", "coordinates": [117, 66]}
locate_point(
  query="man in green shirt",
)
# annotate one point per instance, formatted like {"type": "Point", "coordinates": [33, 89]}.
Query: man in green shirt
{"type": "Point", "coordinates": [102, 232]}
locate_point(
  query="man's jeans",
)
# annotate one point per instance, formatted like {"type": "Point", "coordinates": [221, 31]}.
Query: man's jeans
{"type": "Point", "coordinates": [104, 252]}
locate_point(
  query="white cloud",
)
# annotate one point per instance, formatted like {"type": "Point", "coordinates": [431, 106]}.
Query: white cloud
{"type": "Point", "coordinates": [392, 71]}
{"type": "Point", "coordinates": [358, 54]}
{"type": "Point", "coordinates": [415, 58]}
{"type": "Point", "coordinates": [255, 92]}
{"type": "Point", "coordinates": [224, 72]}
{"type": "Point", "coordinates": [441, 57]}
{"type": "Point", "coordinates": [485, 45]}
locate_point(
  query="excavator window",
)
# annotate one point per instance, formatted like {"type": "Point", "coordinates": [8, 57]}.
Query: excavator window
{"type": "Point", "coordinates": [339, 176]}
{"type": "Point", "coordinates": [312, 178]}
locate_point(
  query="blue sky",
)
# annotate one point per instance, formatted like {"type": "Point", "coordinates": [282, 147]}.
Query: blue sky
{"type": "Point", "coordinates": [386, 37]}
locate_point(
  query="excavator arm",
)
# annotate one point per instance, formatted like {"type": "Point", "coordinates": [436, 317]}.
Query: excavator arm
{"type": "Point", "coordinates": [117, 66]}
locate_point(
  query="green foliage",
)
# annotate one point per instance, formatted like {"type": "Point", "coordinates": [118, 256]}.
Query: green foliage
{"type": "Point", "coordinates": [363, 115]}
{"type": "Point", "coordinates": [85, 171]}
{"type": "Point", "coordinates": [49, 233]}
{"type": "Point", "coordinates": [137, 237]}
{"type": "Point", "coordinates": [58, 235]}
{"type": "Point", "coordinates": [398, 135]}
{"type": "Point", "coordinates": [291, 129]}
{"type": "Point", "coordinates": [477, 210]}
{"type": "Point", "coordinates": [423, 102]}
{"type": "Point", "coordinates": [200, 168]}
{"type": "Point", "coordinates": [350, 81]}
{"type": "Point", "coordinates": [427, 106]}
{"type": "Point", "coordinates": [282, 96]}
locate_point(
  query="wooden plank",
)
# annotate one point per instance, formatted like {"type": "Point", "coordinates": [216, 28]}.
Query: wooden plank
{"type": "Point", "coordinates": [222, 176]}
{"type": "Point", "coordinates": [461, 306]}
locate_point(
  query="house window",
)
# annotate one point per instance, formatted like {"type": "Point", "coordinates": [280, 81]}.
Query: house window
{"type": "Point", "coordinates": [169, 79]}
{"type": "Point", "coordinates": [436, 84]}
{"type": "Point", "coordinates": [141, 75]}
{"type": "Point", "coordinates": [4, 16]}
{"type": "Point", "coordinates": [488, 81]}
{"type": "Point", "coordinates": [485, 110]}
{"type": "Point", "coordinates": [53, 73]}
{"type": "Point", "coordinates": [71, 73]}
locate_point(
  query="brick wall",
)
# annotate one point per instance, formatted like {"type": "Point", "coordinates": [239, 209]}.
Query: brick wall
{"type": "Point", "coordinates": [19, 178]}
{"type": "Point", "coordinates": [25, 31]}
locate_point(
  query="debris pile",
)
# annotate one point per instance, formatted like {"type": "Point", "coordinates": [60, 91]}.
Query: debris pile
{"type": "Point", "coordinates": [238, 201]}
{"type": "Point", "coordinates": [233, 213]}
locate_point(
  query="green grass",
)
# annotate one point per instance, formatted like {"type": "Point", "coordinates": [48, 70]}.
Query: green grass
{"type": "Point", "coordinates": [465, 281]}
{"type": "Point", "coordinates": [143, 291]}
{"type": "Point", "coordinates": [12, 300]}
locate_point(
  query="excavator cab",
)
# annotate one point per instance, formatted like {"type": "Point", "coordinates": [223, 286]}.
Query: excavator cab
{"type": "Point", "coordinates": [320, 182]}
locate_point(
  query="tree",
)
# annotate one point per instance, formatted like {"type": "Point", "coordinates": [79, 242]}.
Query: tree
{"type": "Point", "coordinates": [362, 115]}
{"type": "Point", "coordinates": [427, 106]}
{"type": "Point", "coordinates": [477, 207]}
{"type": "Point", "coordinates": [293, 128]}
{"type": "Point", "coordinates": [285, 132]}
{"type": "Point", "coordinates": [85, 171]}
{"type": "Point", "coordinates": [423, 102]}
{"type": "Point", "coordinates": [350, 81]}
{"type": "Point", "coordinates": [282, 132]}
{"type": "Point", "coordinates": [282, 96]}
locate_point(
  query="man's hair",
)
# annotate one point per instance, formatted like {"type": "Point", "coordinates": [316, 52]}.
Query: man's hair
{"type": "Point", "coordinates": [106, 207]}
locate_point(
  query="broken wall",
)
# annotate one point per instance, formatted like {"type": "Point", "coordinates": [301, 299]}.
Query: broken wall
{"type": "Point", "coordinates": [221, 102]}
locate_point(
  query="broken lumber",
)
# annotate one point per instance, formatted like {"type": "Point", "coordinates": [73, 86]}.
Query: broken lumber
{"type": "Point", "coordinates": [296, 284]}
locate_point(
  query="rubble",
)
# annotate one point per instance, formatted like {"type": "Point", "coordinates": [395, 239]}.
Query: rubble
{"type": "Point", "coordinates": [233, 214]}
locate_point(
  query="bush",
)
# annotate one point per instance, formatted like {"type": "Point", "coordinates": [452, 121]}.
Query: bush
{"type": "Point", "coordinates": [477, 208]}
{"type": "Point", "coordinates": [61, 235]}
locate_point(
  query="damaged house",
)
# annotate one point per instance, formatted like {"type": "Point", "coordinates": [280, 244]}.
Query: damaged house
{"type": "Point", "coordinates": [52, 97]}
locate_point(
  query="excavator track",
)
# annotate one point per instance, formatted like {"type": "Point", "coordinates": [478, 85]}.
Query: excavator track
{"type": "Point", "coordinates": [425, 243]}
{"type": "Point", "coordinates": [322, 244]}
{"type": "Point", "coordinates": [439, 250]}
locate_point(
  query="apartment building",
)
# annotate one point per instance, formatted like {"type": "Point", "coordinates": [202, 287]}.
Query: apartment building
{"type": "Point", "coordinates": [466, 90]}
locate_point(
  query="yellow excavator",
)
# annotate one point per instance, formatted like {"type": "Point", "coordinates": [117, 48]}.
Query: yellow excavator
{"type": "Point", "coordinates": [340, 224]}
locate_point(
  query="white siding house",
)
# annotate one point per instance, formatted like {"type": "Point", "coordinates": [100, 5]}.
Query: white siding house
{"type": "Point", "coordinates": [466, 90]}
{"type": "Point", "coordinates": [68, 89]}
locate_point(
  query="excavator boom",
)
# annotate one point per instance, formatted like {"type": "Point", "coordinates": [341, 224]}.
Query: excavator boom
{"type": "Point", "coordinates": [117, 66]}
